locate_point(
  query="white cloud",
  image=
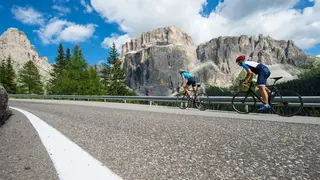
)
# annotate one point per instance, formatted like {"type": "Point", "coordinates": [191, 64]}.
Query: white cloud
{"type": "Point", "coordinates": [62, 10]}
{"type": "Point", "coordinates": [230, 18]}
{"type": "Point", "coordinates": [88, 8]}
{"type": "Point", "coordinates": [318, 55]}
{"type": "Point", "coordinates": [27, 15]}
{"type": "Point", "coordinates": [56, 31]}
{"type": "Point", "coordinates": [118, 40]}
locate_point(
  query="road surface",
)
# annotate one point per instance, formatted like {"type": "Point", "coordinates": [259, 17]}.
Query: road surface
{"type": "Point", "coordinates": [146, 142]}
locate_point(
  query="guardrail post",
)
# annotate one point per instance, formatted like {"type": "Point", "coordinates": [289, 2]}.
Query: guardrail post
{"type": "Point", "coordinates": [150, 102]}
{"type": "Point", "coordinates": [105, 100]}
{"type": "Point", "coordinates": [247, 108]}
{"type": "Point", "coordinates": [125, 101]}
{"type": "Point", "coordinates": [74, 98]}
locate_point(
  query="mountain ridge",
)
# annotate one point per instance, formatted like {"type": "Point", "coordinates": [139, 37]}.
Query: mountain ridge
{"type": "Point", "coordinates": [153, 64]}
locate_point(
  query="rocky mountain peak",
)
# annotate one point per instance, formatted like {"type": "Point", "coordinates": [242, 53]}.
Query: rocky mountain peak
{"type": "Point", "coordinates": [152, 59]}
{"type": "Point", "coordinates": [159, 37]}
{"type": "Point", "coordinates": [16, 44]}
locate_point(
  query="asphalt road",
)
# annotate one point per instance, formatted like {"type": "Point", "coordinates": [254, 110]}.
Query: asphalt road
{"type": "Point", "coordinates": [143, 142]}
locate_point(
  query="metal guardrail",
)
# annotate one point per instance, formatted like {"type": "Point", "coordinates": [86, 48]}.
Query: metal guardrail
{"type": "Point", "coordinates": [308, 101]}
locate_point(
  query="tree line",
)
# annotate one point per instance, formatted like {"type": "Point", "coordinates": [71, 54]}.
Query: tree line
{"type": "Point", "coordinates": [70, 75]}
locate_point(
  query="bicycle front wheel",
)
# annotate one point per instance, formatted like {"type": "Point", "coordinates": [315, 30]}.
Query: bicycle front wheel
{"type": "Point", "coordinates": [183, 101]}
{"type": "Point", "coordinates": [202, 101]}
{"type": "Point", "coordinates": [243, 102]}
{"type": "Point", "coordinates": [286, 103]}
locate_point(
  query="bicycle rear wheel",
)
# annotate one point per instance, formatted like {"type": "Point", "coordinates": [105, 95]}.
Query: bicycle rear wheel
{"type": "Point", "coordinates": [286, 103]}
{"type": "Point", "coordinates": [202, 101]}
{"type": "Point", "coordinates": [243, 102]}
{"type": "Point", "coordinates": [183, 101]}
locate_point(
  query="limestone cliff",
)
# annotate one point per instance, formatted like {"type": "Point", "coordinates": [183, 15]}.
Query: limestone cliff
{"type": "Point", "coordinates": [153, 59]}
{"type": "Point", "coordinates": [16, 44]}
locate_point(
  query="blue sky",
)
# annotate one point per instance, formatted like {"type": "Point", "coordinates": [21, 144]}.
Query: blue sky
{"type": "Point", "coordinates": [95, 24]}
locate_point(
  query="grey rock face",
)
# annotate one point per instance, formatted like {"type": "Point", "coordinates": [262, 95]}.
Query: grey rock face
{"type": "Point", "coordinates": [158, 37]}
{"type": "Point", "coordinates": [155, 68]}
{"type": "Point", "coordinates": [4, 109]}
{"type": "Point", "coordinates": [153, 59]}
{"type": "Point", "coordinates": [282, 57]}
{"type": "Point", "coordinates": [16, 44]}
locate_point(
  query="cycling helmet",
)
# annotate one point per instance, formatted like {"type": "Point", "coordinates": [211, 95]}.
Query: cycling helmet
{"type": "Point", "coordinates": [240, 58]}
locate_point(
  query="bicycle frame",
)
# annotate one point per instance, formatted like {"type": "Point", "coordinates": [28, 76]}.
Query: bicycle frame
{"type": "Point", "coordinates": [273, 89]}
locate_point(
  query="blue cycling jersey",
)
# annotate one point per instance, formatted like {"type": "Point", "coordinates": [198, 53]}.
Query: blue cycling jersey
{"type": "Point", "coordinates": [186, 75]}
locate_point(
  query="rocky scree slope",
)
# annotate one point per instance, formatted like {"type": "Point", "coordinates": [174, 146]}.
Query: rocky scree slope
{"type": "Point", "coordinates": [15, 43]}
{"type": "Point", "coordinates": [153, 59]}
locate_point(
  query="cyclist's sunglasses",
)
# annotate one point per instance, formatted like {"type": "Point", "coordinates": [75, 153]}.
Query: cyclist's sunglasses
{"type": "Point", "coordinates": [239, 63]}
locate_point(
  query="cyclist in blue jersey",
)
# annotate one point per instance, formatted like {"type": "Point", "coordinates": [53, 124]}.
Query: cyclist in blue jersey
{"type": "Point", "coordinates": [263, 74]}
{"type": "Point", "coordinates": [188, 79]}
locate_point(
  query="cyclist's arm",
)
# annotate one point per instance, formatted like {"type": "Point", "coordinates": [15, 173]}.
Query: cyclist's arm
{"type": "Point", "coordinates": [182, 81]}
{"type": "Point", "coordinates": [249, 75]}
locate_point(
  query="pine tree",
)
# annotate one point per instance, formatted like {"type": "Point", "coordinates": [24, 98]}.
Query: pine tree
{"type": "Point", "coordinates": [106, 70]}
{"type": "Point", "coordinates": [68, 56]}
{"type": "Point", "coordinates": [2, 72]}
{"type": "Point", "coordinates": [58, 68]}
{"type": "Point", "coordinates": [60, 64]}
{"type": "Point", "coordinates": [113, 54]}
{"type": "Point", "coordinates": [29, 79]}
{"type": "Point", "coordinates": [11, 85]}
{"type": "Point", "coordinates": [117, 85]}
{"type": "Point", "coordinates": [93, 85]}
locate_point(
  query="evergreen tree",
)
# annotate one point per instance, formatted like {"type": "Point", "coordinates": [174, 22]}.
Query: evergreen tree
{"type": "Point", "coordinates": [106, 70]}
{"type": "Point", "coordinates": [58, 68]}
{"type": "Point", "coordinates": [2, 72]}
{"type": "Point", "coordinates": [118, 81]}
{"type": "Point", "coordinates": [10, 76]}
{"type": "Point", "coordinates": [93, 85]}
{"type": "Point", "coordinates": [106, 75]}
{"type": "Point", "coordinates": [113, 54]}
{"type": "Point", "coordinates": [68, 56]}
{"type": "Point", "coordinates": [60, 64]}
{"type": "Point", "coordinates": [29, 79]}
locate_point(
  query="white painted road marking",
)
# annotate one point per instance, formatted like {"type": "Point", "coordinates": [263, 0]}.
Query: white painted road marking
{"type": "Point", "coordinates": [70, 161]}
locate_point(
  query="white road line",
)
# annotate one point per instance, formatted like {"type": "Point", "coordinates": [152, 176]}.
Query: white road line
{"type": "Point", "coordinates": [70, 161]}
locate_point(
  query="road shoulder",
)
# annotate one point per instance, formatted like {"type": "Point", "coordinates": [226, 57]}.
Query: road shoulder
{"type": "Point", "coordinates": [22, 153]}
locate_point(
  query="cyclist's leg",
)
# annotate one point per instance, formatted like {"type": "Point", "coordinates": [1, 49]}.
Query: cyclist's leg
{"type": "Point", "coordinates": [262, 81]}
{"type": "Point", "coordinates": [186, 89]}
{"type": "Point", "coordinates": [194, 86]}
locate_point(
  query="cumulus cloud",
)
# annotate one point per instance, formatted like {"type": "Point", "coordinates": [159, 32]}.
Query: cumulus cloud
{"type": "Point", "coordinates": [230, 18]}
{"type": "Point", "coordinates": [88, 8]}
{"type": "Point", "coordinates": [62, 10]}
{"type": "Point", "coordinates": [57, 30]}
{"type": "Point", "coordinates": [27, 15]}
{"type": "Point", "coordinates": [318, 55]}
{"type": "Point", "coordinates": [117, 39]}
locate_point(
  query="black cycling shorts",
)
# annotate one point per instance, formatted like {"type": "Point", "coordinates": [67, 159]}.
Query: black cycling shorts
{"type": "Point", "coordinates": [192, 82]}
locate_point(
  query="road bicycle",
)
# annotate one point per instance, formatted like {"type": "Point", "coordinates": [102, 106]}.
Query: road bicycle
{"type": "Point", "coordinates": [201, 101]}
{"type": "Point", "coordinates": [283, 102]}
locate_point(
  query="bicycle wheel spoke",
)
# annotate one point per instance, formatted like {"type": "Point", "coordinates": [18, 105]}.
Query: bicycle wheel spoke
{"type": "Point", "coordinates": [202, 102]}
{"type": "Point", "coordinates": [243, 102]}
{"type": "Point", "coordinates": [286, 103]}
